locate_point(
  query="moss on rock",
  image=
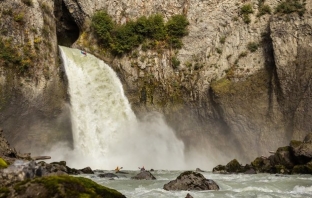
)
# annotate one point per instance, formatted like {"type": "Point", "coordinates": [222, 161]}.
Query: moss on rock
{"type": "Point", "coordinates": [64, 186]}
{"type": "Point", "coordinates": [3, 163]}
{"type": "Point", "coordinates": [295, 143]}
{"type": "Point", "coordinates": [233, 166]}
{"type": "Point", "coordinates": [4, 192]}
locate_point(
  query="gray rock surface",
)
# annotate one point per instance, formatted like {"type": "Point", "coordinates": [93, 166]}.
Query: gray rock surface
{"type": "Point", "coordinates": [144, 175]}
{"type": "Point", "coordinates": [190, 180]}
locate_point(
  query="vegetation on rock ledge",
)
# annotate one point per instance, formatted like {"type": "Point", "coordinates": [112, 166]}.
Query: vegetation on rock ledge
{"type": "Point", "coordinates": [290, 6]}
{"type": "Point", "coordinates": [120, 39]}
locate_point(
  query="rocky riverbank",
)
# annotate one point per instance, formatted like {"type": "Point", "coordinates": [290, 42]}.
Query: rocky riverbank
{"type": "Point", "coordinates": [22, 176]}
{"type": "Point", "coordinates": [296, 158]}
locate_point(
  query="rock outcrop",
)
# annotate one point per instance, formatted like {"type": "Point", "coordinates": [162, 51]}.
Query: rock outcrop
{"type": "Point", "coordinates": [33, 112]}
{"type": "Point", "coordinates": [144, 175]}
{"type": "Point", "coordinates": [293, 159]}
{"type": "Point", "coordinates": [190, 180]}
{"type": "Point", "coordinates": [59, 186]}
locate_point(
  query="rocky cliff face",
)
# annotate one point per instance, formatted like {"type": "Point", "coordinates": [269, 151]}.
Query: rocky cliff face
{"type": "Point", "coordinates": [243, 86]}
{"type": "Point", "coordinates": [32, 92]}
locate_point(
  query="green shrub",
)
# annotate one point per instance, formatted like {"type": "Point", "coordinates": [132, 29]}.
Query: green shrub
{"type": "Point", "coordinates": [174, 42]}
{"type": "Point", "coordinates": [120, 39]}
{"type": "Point", "coordinates": [176, 26]}
{"type": "Point", "coordinates": [246, 19]}
{"type": "Point", "coordinates": [45, 7]}
{"type": "Point", "coordinates": [246, 9]}
{"type": "Point", "coordinates": [152, 27]}
{"type": "Point", "coordinates": [222, 39]}
{"type": "Point", "coordinates": [290, 6]}
{"type": "Point", "coordinates": [102, 24]}
{"type": "Point", "coordinates": [264, 9]}
{"type": "Point", "coordinates": [175, 62]}
{"type": "Point", "coordinates": [19, 17]}
{"type": "Point", "coordinates": [7, 12]}
{"type": "Point", "coordinates": [242, 54]}
{"type": "Point", "coordinates": [11, 58]}
{"type": "Point", "coordinates": [124, 38]}
{"type": "Point", "coordinates": [28, 2]}
{"type": "Point", "coordinates": [252, 46]}
{"type": "Point", "coordinates": [219, 51]}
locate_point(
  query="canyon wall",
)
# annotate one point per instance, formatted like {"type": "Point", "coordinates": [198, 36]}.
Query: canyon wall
{"type": "Point", "coordinates": [242, 88]}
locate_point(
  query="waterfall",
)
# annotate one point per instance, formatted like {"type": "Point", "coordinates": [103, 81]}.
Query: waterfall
{"type": "Point", "coordinates": [105, 130]}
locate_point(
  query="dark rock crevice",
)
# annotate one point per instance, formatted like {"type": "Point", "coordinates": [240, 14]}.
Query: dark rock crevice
{"type": "Point", "coordinates": [67, 29]}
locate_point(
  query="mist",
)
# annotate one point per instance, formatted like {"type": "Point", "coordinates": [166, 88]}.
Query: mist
{"type": "Point", "coordinates": [106, 132]}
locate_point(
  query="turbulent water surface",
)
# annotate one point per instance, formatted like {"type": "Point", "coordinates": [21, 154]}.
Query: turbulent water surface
{"type": "Point", "coordinates": [231, 185]}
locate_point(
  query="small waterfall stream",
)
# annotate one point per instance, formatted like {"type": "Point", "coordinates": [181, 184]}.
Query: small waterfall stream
{"type": "Point", "coordinates": [105, 130]}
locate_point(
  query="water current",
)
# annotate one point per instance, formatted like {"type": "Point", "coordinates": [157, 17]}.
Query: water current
{"type": "Point", "coordinates": [231, 185]}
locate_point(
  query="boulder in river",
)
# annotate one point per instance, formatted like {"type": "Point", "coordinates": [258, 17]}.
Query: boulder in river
{"type": "Point", "coordinates": [144, 175]}
{"type": "Point", "coordinates": [191, 180]}
{"type": "Point", "coordinates": [107, 175]}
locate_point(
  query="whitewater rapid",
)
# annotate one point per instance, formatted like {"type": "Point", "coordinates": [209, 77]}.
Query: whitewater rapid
{"type": "Point", "coordinates": [105, 130]}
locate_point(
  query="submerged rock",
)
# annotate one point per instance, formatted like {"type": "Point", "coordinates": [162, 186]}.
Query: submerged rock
{"type": "Point", "coordinates": [107, 175]}
{"type": "Point", "coordinates": [199, 170]}
{"type": "Point", "coordinates": [191, 180]}
{"type": "Point", "coordinates": [87, 170]}
{"type": "Point", "coordinates": [144, 175]}
{"type": "Point", "coordinates": [189, 196]}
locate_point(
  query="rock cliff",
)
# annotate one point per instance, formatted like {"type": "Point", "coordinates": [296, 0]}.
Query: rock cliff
{"type": "Point", "coordinates": [32, 91]}
{"type": "Point", "coordinates": [242, 88]}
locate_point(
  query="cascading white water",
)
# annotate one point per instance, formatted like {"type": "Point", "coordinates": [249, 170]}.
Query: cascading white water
{"type": "Point", "coordinates": [105, 130]}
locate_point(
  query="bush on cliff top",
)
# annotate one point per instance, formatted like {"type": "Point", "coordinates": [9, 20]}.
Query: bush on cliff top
{"type": "Point", "coordinates": [120, 39]}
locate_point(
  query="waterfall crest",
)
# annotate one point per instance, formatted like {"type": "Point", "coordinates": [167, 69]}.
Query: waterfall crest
{"type": "Point", "coordinates": [106, 132]}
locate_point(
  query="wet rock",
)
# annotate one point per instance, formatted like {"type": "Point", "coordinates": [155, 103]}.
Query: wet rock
{"type": "Point", "coordinates": [87, 170]}
{"type": "Point", "coordinates": [250, 171]}
{"type": "Point", "coordinates": [199, 170]}
{"type": "Point", "coordinates": [144, 175]}
{"type": "Point", "coordinates": [188, 195]}
{"type": "Point", "coordinates": [219, 169]}
{"type": "Point", "coordinates": [5, 149]}
{"type": "Point", "coordinates": [232, 167]}
{"type": "Point", "coordinates": [19, 171]}
{"type": "Point", "coordinates": [261, 164]}
{"type": "Point", "coordinates": [302, 151]}
{"type": "Point", "coordinates": [302, 169]}
{"type": "Point", "coordinates": [191, 180]}
{"type": "Point", "coordinates": [293, 159]}
{"type": "Point", "coordinates": [308, 139]}
{"type": "Point", "coordinates": [107, 175]}
{"type": "Point", "coordinates": [282, 157]}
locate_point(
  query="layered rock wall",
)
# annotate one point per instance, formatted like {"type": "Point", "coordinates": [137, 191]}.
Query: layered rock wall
{"type": "Point", "coordinates": [32, 92]}
{"type": "Point", "coordinates": [242, 88]}
{"type": "Point", "coordinates": [263, 97]}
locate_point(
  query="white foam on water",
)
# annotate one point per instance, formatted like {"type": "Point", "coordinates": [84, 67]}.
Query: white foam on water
{"type": "Point", "coordinates": [302, 190]}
